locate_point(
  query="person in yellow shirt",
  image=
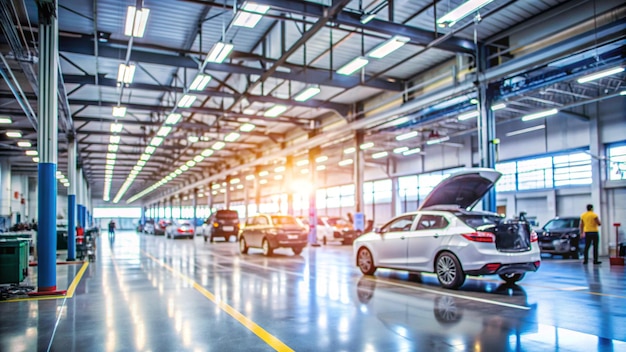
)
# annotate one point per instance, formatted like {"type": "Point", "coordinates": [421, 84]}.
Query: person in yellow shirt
{"type": "Point", "coordinates": [589, 222]}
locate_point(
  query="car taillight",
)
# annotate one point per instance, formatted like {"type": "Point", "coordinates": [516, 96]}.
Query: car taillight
{"type": "Point", "coordinates": [480, 236]}
{"type": "Point", "coordinates": [180, 230]}
{"type": "Point", "coordinates": [493, 267]}
{"type": "Point", "coordinates": [216, 224]}
{"type": "Point", "coordinates": [533, 236]}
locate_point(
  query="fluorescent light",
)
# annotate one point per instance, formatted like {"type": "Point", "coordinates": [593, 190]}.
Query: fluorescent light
{"type": "Point", "coordinates": [193, 139]}
{"type": "Point", "coordinates": [279, 169]}
{"type": "Point", "coordinates": [367, 17]}
{"type": "Point", "coordinates": [126, 73]}
{"type": "Point", "coordinates": [498, 106]}
{"type": "Point", "coordinates": [353, 66]}
{"type": "Point", "coordinates": [116, 127]}
{"type": "Point", "coordinates": [156, 141]}
{"type": "Point", "coordinates": [111, 156]}
{"type": "Point", "coordinates": [231, 137]}
{"type": "Point", "coordinates": [235, 181]}
{"type": "Point", "coordinates": [540, 114]}
{"type": "Point", "coordinates": [468, 115]}
{"type": "Point", "coordinates": [409, 135]}
{"type": "Point", "coordinates": [150, 149]}
{"type": "Point", "coordinates": [186, 101]}
{"type": "Point", "coordinates": [200, 82]}
{"type": "Point", "coordinates": [622, 92]}
{"type": "Point", "coordinates": [379, 155]}
{"type": "Point", "coordinates": [14, 134]}
{"type": "Point", "coordinates": [250, 177]}
{"type": "Point", "coordinates": [460, 12]}
{"type": "Point", "coordinates": [219, 52]}
{"type": "Point", "coordinates": [215, 186]}
{"type": "Point", "coordinates": [110, 162]}
{"type": "Point", "coordinates": [349, 150]}
{"type": "Point", "coordinates": [164, 131]}
{"type": "Point", "coordinates": [262, 182]}
{"type": "Point", "coordinates": [183, 168]}
{"type": "Point", "coordinates": [119, 111]}
{"type": "Point", "coordinates": [141, 162]}
{"type": "Point", "coordinates": [218, 145]}
{"type": "Point", "coordinates": [412, 151]}
{"type": "Point", "coordinates": [137, 168]}
{"type": "Point", "coordinates": [302, 162]}
{"type": "Point", "coordinates": [207, 153]}
{"type": "Point", "coordinates": [275, 110]}
{"type": "Point", "coordinates": [601, 74]}
{"type": "Point", "coordinates": [172, 119]}
{"type": "Point", "coordinates": [307, 93]}
{"type": "Point", "coordinates": [113, 148]}
{"type": "Point", "coordinates": [24, 144]}
{"type": "Point", "coordinates": [388, 46]}
{"type": "Point", "coordinates": [321, 159]}
{"type": "Point", "coordinates": [346, 162]}
{"type": "Point", "coordinates": [264, 173]}
{"type": "Point", "coordinates": [31, 152]}
{"type": "Point", "coordinates": [190, 163]}
{"type": "Point", "coordinates": [366, 145]}
{"type": "Point", "coordinates": [250, 14]}
{"type": "Point", "coordinates": [114, 139]}
{"type": "Point", "coordinates": [247, 127]}
{"type": "Point", "coordinates": [198, 158]}
{"type": "Point", "coordinates": [136, 21]}
{"type": "Point", "coordinates": [144, 157]}
{"type": "Point", "coordinates": [526, 130]}
{"type": "Point", "coordinates": [400, 150]}
{"type": "Point", "coordinates": [36, 159]}
{"type": "Point", "coordinates": [320, 167]}
{"type": "Point", "coordinates": [109, 167]}
{"type": "Point", "coordinates": [5, 120]}
{"type": "Point", "coordinates": [178, 171]}
{"type": "Point", "coordinates": [437, 140]}
{"type": "Point", "coordinates": [278, 177]}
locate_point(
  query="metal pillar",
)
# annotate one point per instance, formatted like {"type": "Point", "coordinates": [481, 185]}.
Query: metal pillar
{"type": "Point", "coordinates": [5, 188]}
{"type": "Point", "coordinates": [486, 127]}
{"type": "Point", "coordinates": [47, 145]}
{"type": "Point", "coordinates": [313, 153]}
{"type": "Point", "coordinates": [194, 204]}
{"type": "Point", "coordinates": [210, 198]}
{"type": "Point", "coordinates": [289, 183]}
{"type": "Point", "coordinates": [227, 194]}
{"type": "Point", "coordinates": [180, 207]}
{"type": "Point", "coordinates": [359, 171]}
{"type": "Point", "coordinates": [71, 199]}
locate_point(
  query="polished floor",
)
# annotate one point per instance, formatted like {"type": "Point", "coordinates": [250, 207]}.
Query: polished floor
{"type": "Point", "coordinates": [146, 293]}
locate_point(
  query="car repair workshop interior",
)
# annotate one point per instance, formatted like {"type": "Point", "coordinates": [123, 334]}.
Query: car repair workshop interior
{"type": "Point", "coordinates": [312, 175]}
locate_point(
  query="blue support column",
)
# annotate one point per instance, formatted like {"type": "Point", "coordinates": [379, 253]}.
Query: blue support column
{"type": "Point", "coordinates": [47, 145]}
{"type": "Point", "coordinates": [71, 199]}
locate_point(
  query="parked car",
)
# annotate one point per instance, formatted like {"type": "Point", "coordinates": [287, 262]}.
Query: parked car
{"type": "Point", "coordinates": [269, 232]}
{"type": "Point", "coordinates": [561, 236]}
{"type": "Point", "coordinates": [446, 237]}
{"type": "Point", "coordinates": [343, 230]}
{"type": "Point", "coordinates": [180, 228]}
{"type": "Point", "coordinates": [323, 231]}
{"type": "Point", "coordinates": [161, 225]}
{"type": "Point", "coordinates": [223, 223]}
{"type": "Point", "coordinates": [148, 227]}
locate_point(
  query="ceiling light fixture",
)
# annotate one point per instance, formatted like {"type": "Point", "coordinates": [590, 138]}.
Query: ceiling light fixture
{"type": "Point", "coordinates": [193, 139]}
{"type": "Point", "coordinates": [366, 145]}
{"type": "Point", "coordinates": [250, 14]}
{"type": "Point", "coordinates": [190, 163]}
{"type": "Point", "coordinates": [119, 111]}
{"type": "Point", "coordinates": [320, 167]}
{"type": "Point", "coordinates": [389, 46]}
{"type": "Point", "coordinates": [186, 101]}
{"type": "Point", "coordinates": [353, 66]}
{"type": "Point", "coordinates": [207, 153]}
{"type": "Point", "coordinates": [5, 120]}
{"type": "Point", "coordinates": [400, 150]}
{"type": "Point", "coordinates": [367, 17]}
{"type": "Point", "coordinates": [184, 168]}
{"type": "Point", "coordinates": [247, 127]}
{"type": "Point", "coordinates": [14, 134]}
{"type": "Point", "coordinates": [275, 110]}
{"type": "Point", "coordinates": [499, 106]}
{"type": "Point", "coordinates": [150, 149]}
{"type": "Point", "coordinates": [540, 114]}
{"type": "Point", "coordinates": [219, 52]}
{"type": "Point", "coordinates": [379, 155]}
{"type": "Point", "coordinates": [412, 151]}
{"type": "Point", "coordinates": [307, 93]}
{"type": "Point", "coordinates": [198, 158]}
{"type": "Point", "coordinates": [525, 130]}
{"type": "Point", "coordinates": [279, 169]}
{"type": "Point", "coordinates": [126, 73]}
{"type": "Point", "coordinates": [156, 141]}
{"type": "Point", "coordinates": [468, 115]}
{"type": "Point", "coordinates": [36, 159]}
{"type": "Point", "coordinates": [111, 156]}
{"type": "Point", "coordinates": [264, 173]}
{"type": "Point", "coordinates": [408, 135]}
{"type": "Point", "coordinates": [437, 140]}
{"type": "Point", "coordinates": [601, 74]}
{"type": "Point", "coordinates": [113, 148]}
{"type": "Point", "coordinates": [114, 139]}
{"type": "Point", "coordinates": [164, 131]}
{"type": "Point", "coordinates": [116, 127]}
{"type": "Point", "coordinates": [250, 177]}
{"type": "Point", "coordinates": [172, 119]}
{"type": "Point", "coordinates": [24, 144]}
{"type": "Point", "coordinates": [231, 137]}
{"type": "Point", "coordinates": [218, 145]}
{"type": "Point", "coordinates": [200, 82]}
{"type": "Point", "coordinates": [136, 21]}
{"type": "Point", "coordinates": [346, 162]}
{"type": "Point", "coordinates": [302, 162]}
{"type": "Point", "coordinates": [31, 152]}
{"type": "Point", "coordinates": [321, 159]}
{"type": "Point", "coordinates": [460, 12]}
{"type": "Point", "coordinates": [349, 150]}
{"type": "Point", "coordinates": [144, 157]}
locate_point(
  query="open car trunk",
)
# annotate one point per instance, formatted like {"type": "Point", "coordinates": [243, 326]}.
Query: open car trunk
{"type": "Point", "coordinates": [511, 235]}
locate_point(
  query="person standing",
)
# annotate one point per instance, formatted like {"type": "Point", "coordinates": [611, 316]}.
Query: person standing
{"type": "Point", "coordinates": [111, 228]}
{"type": "Point", "coordinates": [589, 222]}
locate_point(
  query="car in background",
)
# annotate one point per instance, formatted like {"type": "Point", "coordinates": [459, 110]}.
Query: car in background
{"type": "Point", "coordinates": [323, 231]}
{"type": "Point", "coordinates": [269, 232]}
{"type": "Point", "coordinates": [160, 226]}
{"type": "Point", "coordinates": [224, 223]}
{"type": "Point", "coordinates": [148, 227]}
{"type": "Point", "coordinates": [180, 228]}
{"type": "Point", "coordinates": [446, 237]}
{"type": "Point", "coordinates": [561, 236]}
{"type": "Point", "coordinates": [343, 230]}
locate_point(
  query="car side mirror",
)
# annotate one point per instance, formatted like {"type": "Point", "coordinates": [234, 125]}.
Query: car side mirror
{"type": "Point", "coordinates": [378, 230]}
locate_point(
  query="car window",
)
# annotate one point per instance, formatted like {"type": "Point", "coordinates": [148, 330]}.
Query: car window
{"type": "Point", "coordinates": [250, 221]}
{"type": "Point", "coordinates": [338, 221]}
{"type": "Point", "coordinates": [562, 224]}
{"type": "Point", "coordinates": [284, 220]}
{"type": "Point", "coordinates": [403, 223]}
{"type": "Point", "coordinates": [227, 214]}
{"type": "Point", "coordinates": [320, 222]}
{"type": "Point", "coordinates": [261, 220]}
{"type": "Point", "coordinates": [477, 220]}
{"type": "Point", "coordinates": [428, 221]}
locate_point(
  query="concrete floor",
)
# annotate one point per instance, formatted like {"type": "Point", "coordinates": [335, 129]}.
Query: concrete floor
{"type": "Point", "coordinates": [146, 293]}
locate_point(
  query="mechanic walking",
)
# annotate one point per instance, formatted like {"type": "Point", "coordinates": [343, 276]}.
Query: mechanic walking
{"type": "Point", "coordinates": [589, 222]}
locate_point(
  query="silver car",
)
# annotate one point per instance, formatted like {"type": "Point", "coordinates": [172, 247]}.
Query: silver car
{"type": "Point", "coordinates": [180, 228]}
{"type": "Point", "coordinates": [445, 237]}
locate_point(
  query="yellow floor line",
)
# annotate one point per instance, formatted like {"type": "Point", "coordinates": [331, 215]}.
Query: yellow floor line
{"type": "Point", "coordinates": [270, 339]}
{"type": "Point", "coordinates": [69, 294]}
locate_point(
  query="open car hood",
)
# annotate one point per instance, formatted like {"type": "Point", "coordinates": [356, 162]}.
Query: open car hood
{"type": "Point", "coordinates": [463, 189]}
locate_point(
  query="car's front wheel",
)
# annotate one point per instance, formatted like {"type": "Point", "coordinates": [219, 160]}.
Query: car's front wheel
{"type": "Point", "coordinates": [449, 271]}
{"type": "Point", "coordinates": [512, 278]}
{"type": "Point", "coordinates": [365, 261]}
{"type": "Point", "coordinates": [267, 249]}
{"type": "Point", "coordinates": [243, 246]}
{"type": "Point", "coordinates": [297, 250]}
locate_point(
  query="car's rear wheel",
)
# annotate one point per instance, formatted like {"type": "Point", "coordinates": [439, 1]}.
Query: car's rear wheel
{"type": "Point", "coordinates": [243, 246]}
{"type": "Point", "coordinates": [267, 249]}
{"type": "Point", "coordinates": [512, 278]}
{"type": "Point", "coordinates": [324, 241]}
{"type": "Point", "coordinates": [365, 261]}
{"type": "Point", "coordinates": [211, 240]}
{"type": "Point", "coordinates": [205, 238]}
{"type": "Point", "coordinates": [297, 250]}
{"type": "Point", "coordinates": [449, 271]}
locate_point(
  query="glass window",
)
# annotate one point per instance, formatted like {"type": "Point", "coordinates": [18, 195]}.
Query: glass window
{"type": "Point", "coordinates": [617, 162]}
{"type": "Point", "coordinates": [572, 169]}
{"type": "Point", "coordinates": [429, 222]}
{"type": "Point", "coordinates": [260, 220]}
{"type": "Point", "coordinates": [534, 173]}
{"type": "Point", "coordinates": [407, 186]}
{"type": "Point", "coordinates": [403, 223]}
{"type": "Point", "coordinates": [508, 180]}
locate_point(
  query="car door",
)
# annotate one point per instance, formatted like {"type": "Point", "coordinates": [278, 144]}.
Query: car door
{"type": "Point", "coordinates": [391, 249]}
{"type": "Point", "coordinates": [261, 224]}
{"type": "Point", "coordinates": [424, 242]}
